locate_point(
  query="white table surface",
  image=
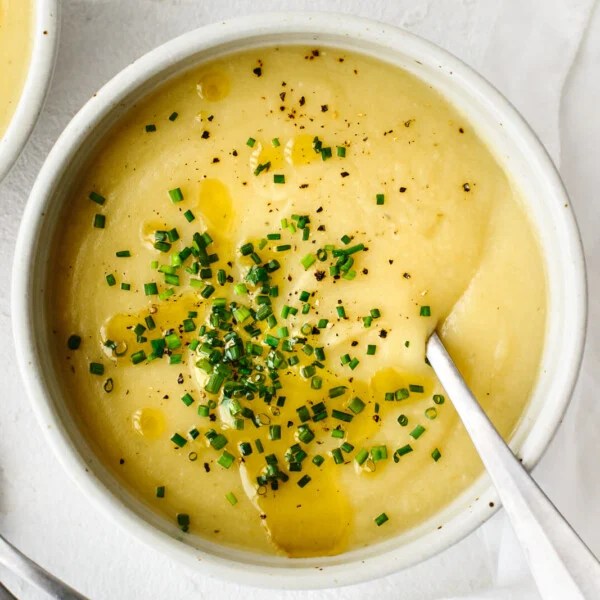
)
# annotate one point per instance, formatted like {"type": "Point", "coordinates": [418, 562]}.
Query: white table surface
{"type": "Point", "coordinates": [42, 511]}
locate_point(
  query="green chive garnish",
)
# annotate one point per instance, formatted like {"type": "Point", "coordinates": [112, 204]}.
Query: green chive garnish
{"type": "Point", "coordinates": [150, 128]}
{"type": "Point", "coordinates": [303, 481]}
{"type": "Point", "coordinates": [123, 254]}
{"type": "Point", "coordinates": [308, 260]}
{"type": "Point", "coordinates": [431, 413]}
{"type": "Point", "coordinates": [250, 142]}
{"type": "Point", "coordinates": [381, 519]}
{"type": "Point", "coordinates": [173, 116]}
{"type": "Point", "coordinates": [417, 432]}
{"type": "Point", "coordinates": [97, 198]}
{"type": "Point", "coordinates": [425, 311]}
{"type": "Point", "coordinates": [380, 199]}
{"type": "Point", "coordinates": [96, 368]}
{"type": "Point", "coordinates": [99, 221]}
{"type": "Point", "coordinates": [436, 455]}
{"type": "Point", "coordinates": [340, 151]}
{"type": "Point", "coordinates": [160, 491]}
{"type": "Point", "coordinates": [74, 342]}
{"type": "Point", "coordinates": [150, 289]}
{"type": "Point", "coordinates": [176, 195]}
{"type": "Point", "coordinates": [438, 399]}
{"type": "Point", "coordinates": [178, 440]}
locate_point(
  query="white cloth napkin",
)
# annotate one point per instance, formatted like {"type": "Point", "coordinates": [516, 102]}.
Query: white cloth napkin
{"type": "Point", "coordinates": [526, 48]}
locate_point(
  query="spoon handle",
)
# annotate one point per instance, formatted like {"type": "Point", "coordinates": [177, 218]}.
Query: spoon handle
{"type": "Point", "coordinates": [561, 564]}
{"type": "Point", "coordinates": [31, 572]}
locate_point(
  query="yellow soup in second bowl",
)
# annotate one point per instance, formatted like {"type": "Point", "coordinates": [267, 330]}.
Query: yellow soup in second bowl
{"type": "Point", "coordinates": [244, 282]}
{"type": "Point", "coordinates": [16, 25]}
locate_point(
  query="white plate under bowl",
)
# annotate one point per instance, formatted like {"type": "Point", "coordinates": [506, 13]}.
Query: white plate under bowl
{"type": "Point", "coordinates": [46, 26]}
{"type": "Point", "coordinates": [515, 146]}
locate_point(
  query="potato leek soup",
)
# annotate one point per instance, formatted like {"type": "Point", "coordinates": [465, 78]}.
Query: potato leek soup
{"type": "Point", "coordinates": [16, 23]}
{"type": "Point", "coordinates": [246, 276]}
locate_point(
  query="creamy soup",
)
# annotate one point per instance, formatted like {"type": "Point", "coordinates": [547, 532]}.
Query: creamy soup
{"type": "Point", "coordinates": [245, 279]}
{"type": "Point", "coordinates": [16, 24]}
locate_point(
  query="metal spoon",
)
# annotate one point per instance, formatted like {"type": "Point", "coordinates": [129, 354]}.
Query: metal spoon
{"type": "Point", "coordinates": [562, 566]}
{"type": "Point", "coordinates": [26, 569]}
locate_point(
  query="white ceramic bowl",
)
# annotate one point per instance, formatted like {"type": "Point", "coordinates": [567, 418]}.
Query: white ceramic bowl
{"type": "Point", "coordinates": [515, 146]}
{"type": "Point", "coordinates": [46, 25]}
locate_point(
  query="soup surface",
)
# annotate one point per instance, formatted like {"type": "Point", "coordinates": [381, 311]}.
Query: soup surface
{"type": "Point", "coordinates": [16, 24]}
{"type": "Point", "coordinates": [245, 278]}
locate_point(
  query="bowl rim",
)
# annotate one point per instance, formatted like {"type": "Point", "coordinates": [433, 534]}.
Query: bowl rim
{"type": "Point", "coordinates": [45, 35]}
{"type": "Point", "coordinates": [103, 103]}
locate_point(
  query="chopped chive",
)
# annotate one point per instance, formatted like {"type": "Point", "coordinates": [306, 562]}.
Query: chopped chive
{"type": "Point", "coordinates": [356, 405]}
{"type": "Point", "coordinates": [416, 388]}
{"type": "Point", "coordinates": [340, 390]}
{"type": "Point", "coordinates": [371, 349]}
{"type": "Point", "coordinates": [278, 178]}
{"type": "Point", "coordinates": [436, 455]}
{"type": "Point", "coordinates": [403, 420]}
{"type": "Point", "coordinates": [178, 440]}
{"type": "Point", "coordinates": [361, 456]}
{"type": "Point", "coordinates": [375, 313]}
{"type": "Point", "coordinates": [123, 254]}
{"type": "Point", "coordinates": [173, 116]}
{"type": "Point", "coordinates": [341, 416]}
{"type": "Point", "coordinates": [150, 289]}
{"type": "Point", "coordinates": [226, 459]}
{"type": "Point", "coordinates": [262, 167]}
{"type": "Point", "coordinates": [379, 453]}
{"type": "Point", "coordinates": [438, 399]}
{"type": "Point", "coordinates": [425, 311]}
{"type": "Point", "coordinates": [381, 519]}
{"type": "Point", "coordinates": [97, 198]}
{"type": "Point", "coordinates": [160, 491]}
{"type": "Point", "coordinates": [341, 312]}
{"type": "Point", "coordinates": [318, 460]}
{"type": "Point", "coordinates": [187, 399]}
{"type": "Point", "coordinates": [338, 458]}
{"type": "Point", "coordinates": [401, 394]}
{"type": "Point", "coordinates": [417, 432]}
{"type": "Point", "coordinates": [126, 287]}
{"type": "Point", "coordinates": [431, 413]}
{"type": "Point", "coordinates": [138, 357]}
{"type": "Point", "coordinates": [176, 195]}
{"type": "Point", "coordinates": [326, 153]}
{"type": "Point", "coordinates": [231, 498]}
{"type": "Point", "coordinates": [74, 342]}
{"type": "Point", "coordinates": [283, 247]}
{"type": "Point", "coordinates": [308, 260]}
{"type": "Point", "coordinates": [110, 279]}
{"type": "Point", "coordinates": [96, 368]}
{"type": "Point", "coordinates": [338, 433]}
{"type": "Point", "coordinates": [189, 216]}
{"type": "Point", "coordinates": [340, 151]}
{"type": "Point", "coordinates": [274, 432]}
{"type": "Point", "coordinates": [250, 142]}
{"type": "Point", "coordinates": [353, 363]}
{"type": "Point", "coordinates": [367, 321]}
{"type": "Point", "coordinates": [183, 521]}
{"type": "Point", "coordinates": [303, 481]}
{"type": "Point", "coordinates": [380, 199]}
{"type": "Point", "coordinates": [150, 128]}
{"type": "Point", "coordinates": [99, 221]}
{"type": "Point", "coordinates": [404, 450]}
